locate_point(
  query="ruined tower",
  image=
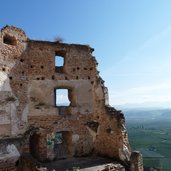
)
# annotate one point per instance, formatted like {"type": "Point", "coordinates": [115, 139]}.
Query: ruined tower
{"type": "Point", "coordinates": [33, 122]}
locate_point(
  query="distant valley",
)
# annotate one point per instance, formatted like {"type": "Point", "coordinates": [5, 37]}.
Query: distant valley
{"type": "Point", "coordinates": [150, 114]}
{"type": "Point", "coordinates": [149, 131]}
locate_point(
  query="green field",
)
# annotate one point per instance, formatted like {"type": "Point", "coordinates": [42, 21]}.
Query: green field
{"type": "Point", "coordinates": [151, 136]}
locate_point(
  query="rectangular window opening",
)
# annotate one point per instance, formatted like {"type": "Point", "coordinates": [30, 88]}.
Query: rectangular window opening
{"type": "Point", "coordinates": [59, 62]}
{"type": "Point", "coordinates": [62, 97]}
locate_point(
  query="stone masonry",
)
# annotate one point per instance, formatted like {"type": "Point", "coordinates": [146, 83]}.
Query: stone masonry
{"type": "Point", "coordinates": [31, 120]}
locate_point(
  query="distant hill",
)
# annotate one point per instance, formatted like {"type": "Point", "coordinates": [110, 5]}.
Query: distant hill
{"type": "Point", "coordinates": [157, 114]}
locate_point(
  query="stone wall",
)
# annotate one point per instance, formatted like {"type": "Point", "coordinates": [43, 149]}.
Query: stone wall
{"type": "Point", "coordinates": [4, 166]}
{"type": "Point", "coordinates": [29, 79]}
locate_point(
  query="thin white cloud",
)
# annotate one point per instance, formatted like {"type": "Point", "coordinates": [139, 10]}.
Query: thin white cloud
{"type": "Point", "coordinates": [154, 93]}
{"type": "Point", "coordinates": [157, 38]}
{"type": "Point", "coordinates": [152, 57]}
{"type": "Point", "coordinates": [144, 75]}
{"type": "Point", "coordinates": [152, 88]}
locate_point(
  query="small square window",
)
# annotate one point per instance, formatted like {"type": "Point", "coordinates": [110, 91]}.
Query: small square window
{"type": "Point", "coordinates": [61, 97]}
{"type": "Point", "coordinates": [64, 99]}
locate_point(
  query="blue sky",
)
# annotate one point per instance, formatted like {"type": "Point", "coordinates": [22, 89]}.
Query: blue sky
{"type": "Point", "coordinates": [132, 40]}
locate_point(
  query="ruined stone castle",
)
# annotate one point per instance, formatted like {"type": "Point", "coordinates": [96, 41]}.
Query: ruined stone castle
{"type": "Point", "coordinates": [34, 123]}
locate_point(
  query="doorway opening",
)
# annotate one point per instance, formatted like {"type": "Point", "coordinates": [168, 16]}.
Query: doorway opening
{"type": "Point", "coordinates": [34, 145]}
{"type": "Point", "coordinates": [62, 144]}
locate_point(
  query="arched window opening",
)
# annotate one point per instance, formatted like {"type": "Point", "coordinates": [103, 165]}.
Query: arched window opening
{"type": "Point", "coordinates": [9, 40]}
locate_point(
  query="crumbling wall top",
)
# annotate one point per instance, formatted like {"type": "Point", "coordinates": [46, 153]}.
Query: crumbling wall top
{"type": "Point", "coordinates": [13, 36]}
{"type": "Point", "coordinates": [13, 32]}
